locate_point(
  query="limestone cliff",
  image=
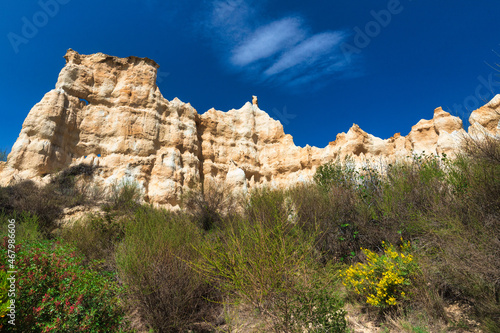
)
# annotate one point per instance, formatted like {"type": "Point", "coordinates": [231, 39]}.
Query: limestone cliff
{"type": "Point", "coordinates": [108, 111]}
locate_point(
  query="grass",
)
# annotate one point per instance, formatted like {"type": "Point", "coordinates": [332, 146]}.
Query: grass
{"type": "Point", "coordinates": [283, 254]}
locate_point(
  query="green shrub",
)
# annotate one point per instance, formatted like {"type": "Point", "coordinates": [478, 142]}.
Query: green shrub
{"type": "Point", "coordinates": [124, 197]}
{"type": "Point", "coordinates": [96, 237]}
{"type": "Point", "coordinates": [151, 259]}
{"type": "Point", "coordinates": [333, 216]}
{"type": "Point", "coordinates": [210, 205]}
{"type": "Point", "coordinates": [266, 260]}
{"type": "Point", "coordinates": [384, 279]}
{"type": "Point", "coordinates": [337, 173]}
{"type": "Point", "coordinates": [253, 260]}
{"type": "Point", "coordinates": [267, 207]}
{"type": "Point", "coordinates": [27, 226]}
{"type": "Point", "coordinates": [412, 188]}
{"type": "Point", "coordinates": [56, 292]}
{"type": "Point", "coordinates": [450, 205]}
{"type": "Point", "coordinates": [315, 304]}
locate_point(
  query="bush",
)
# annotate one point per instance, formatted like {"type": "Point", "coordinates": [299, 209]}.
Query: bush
{"type": "Point", "coordinates": [170, 296]}
{"type": "Point", "coordinates": [96, 237]}
{"type": "Point", "coordinates": [316, 305]}
{"type": "Point", "coordinates": [211, 205]}
{"type": "Point", "coordinates": [266, 262]}
{"type": "Point", "coordinates": [333, 216]}
{"type": "Point", "coordinates": [385, 279]}
{"type": "Point", "coordinates": [337, 173]}
{"type": "Point", "coordinates": [124, 197]}
{"type": "Point", "coordinates": [56, 292]}
{"type": "Point", "coordinates": [451, 206]}
{"type": "Point", "coordinates": [411, 189]}
{"type": "Point", "coordinates": [27, 226]}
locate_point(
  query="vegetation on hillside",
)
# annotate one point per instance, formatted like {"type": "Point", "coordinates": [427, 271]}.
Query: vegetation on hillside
{"type": "Point", "coordinates": [397, 244]}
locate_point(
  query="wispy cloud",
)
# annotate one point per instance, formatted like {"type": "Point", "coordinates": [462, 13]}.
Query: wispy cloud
{"type": "Point", "coordinates": [229, 11]}
{"type": "Point", "coordinates": [283, 50]}
{"type": "Point", "coordinates": [230, 19]}
{"type": "Point", "coordinates": [268, 40]}
{"type": "Point", "coordinates": [307, 52]}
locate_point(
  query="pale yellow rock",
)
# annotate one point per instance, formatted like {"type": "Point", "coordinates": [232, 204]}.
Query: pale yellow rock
{"type": "Point", "coordinates": [108, 112]}
{"type": "Point", "coordinates": [487, 118]}
{"type": "Point", "coordinates": [255, 101]}
{"type": "Point", "coordinates": [424, 136]}
{"type": "Point", "coordinates": [127, 128]}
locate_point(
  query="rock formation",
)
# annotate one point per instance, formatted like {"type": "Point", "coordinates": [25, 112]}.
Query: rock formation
{"type": "Point", "coordinates": [485, 119]}
{"type": "Point", "coordinates": [255, 101]}
{"type": "Point", "coordinates": [108, 111]}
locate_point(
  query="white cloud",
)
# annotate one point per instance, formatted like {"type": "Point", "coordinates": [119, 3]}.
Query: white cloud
{"type": "Point", "coordinates": [268, 40]}
{"type": "Point", "coordinates": [229, 19]}
{"type": "Point", "coordinates": [283, 51]}
{"type": "Point", "coordinates": [308, 52]}
{"type": "Point", "coordinates": [227, 11]}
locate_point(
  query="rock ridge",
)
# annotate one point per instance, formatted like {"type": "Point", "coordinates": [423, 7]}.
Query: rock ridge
{"type": "Point", "coordinates": [109, 112]}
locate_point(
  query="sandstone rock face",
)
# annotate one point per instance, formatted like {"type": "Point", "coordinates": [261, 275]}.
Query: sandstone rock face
{"type": "Point", "coordinates": [108, 111]}
{"type": "Point", "coordinates": [485, 119]}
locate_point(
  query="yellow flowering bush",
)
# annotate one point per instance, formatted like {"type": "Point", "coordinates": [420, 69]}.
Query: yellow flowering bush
{"type": "Point", "coordinates": [383, 279]}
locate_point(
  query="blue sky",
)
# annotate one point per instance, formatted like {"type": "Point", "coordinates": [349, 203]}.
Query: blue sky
{"type": "Point", "coordinates": [317, 66]}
